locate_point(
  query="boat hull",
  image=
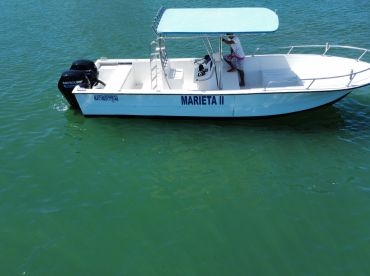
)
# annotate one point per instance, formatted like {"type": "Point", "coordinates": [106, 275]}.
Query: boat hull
{"type": "Point", "coordinates": [205, 105]}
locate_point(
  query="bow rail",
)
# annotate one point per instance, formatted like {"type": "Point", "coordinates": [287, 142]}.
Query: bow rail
{"type": "Point", "coordinates": [326, 48]}
{"type": "Point", "coordinates": [358, 54]}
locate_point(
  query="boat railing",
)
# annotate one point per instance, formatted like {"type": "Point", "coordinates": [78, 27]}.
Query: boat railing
{"type": "Point", "coordinates": [351, 76]}
{"type": "Point", "coordinates": [326, 48]}
{"type": "Point", "coordinates": [358, 55]}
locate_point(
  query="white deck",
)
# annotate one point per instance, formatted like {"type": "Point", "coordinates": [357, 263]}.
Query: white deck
{"type": "Point", "coordinates": [262, 74]}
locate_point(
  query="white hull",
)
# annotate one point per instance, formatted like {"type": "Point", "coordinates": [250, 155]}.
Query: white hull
{"type": "Point", "coordinates": [276, 84]}
{"type": "Point", "coordinates": [205, 105]}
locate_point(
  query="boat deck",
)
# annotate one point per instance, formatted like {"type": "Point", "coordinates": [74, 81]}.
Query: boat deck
{"type": "Point", "coordinates": [262, 73]}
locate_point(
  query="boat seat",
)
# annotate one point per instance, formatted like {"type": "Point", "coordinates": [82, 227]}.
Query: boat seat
{"type": "Point", "coordinates": [230, 80]}
{"type": "Point", "coordinates": [118, 77]}
{"type": "Point", "coordinates": [175, 76]}
{"type": "Point", "coordinates": [204, 69]}
{"type": "Point", "coordinates": [204, 74]}
{"type": "Point", "coordinates": [176, 73]}
{"type": "Point", "coordinates": [279, 78]}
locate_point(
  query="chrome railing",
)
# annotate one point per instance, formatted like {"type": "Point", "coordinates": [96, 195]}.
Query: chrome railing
{"type": "Point", "coordinates": [351, 76]}
{"type": "Point", "coordinates": [326, 49]}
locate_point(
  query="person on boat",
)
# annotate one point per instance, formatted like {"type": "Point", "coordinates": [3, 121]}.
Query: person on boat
{"type": "Point", "coordinates": [236, 58]}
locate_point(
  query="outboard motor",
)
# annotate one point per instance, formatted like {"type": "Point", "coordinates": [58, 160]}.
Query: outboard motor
{"type": "Point", "coordinates": [82, 72]}
{"type": "Point", "coordinates": [68, 81]}
{"type": "Point", "coordinates": [89, 68]}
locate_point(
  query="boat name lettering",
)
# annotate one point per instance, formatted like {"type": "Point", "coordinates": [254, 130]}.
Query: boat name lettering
{"type": "Point", "coordinates": [202, 100]}
{"type": "Point", "coordinates": [106, 98]}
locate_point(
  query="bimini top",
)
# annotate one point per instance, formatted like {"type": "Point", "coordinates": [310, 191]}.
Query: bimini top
{"type": "Point", "coordinates": [215, 21]}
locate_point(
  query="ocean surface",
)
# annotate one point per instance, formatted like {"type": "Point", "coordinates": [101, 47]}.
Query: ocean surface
{"type": "Point", "coordinates": [157, 196]}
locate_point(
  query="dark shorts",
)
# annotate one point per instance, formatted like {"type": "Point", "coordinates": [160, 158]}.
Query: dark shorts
{"type": "Point", "coordinates": [237, 62]}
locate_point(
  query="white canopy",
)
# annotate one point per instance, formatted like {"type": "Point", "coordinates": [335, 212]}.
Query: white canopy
{"type": "Point", "coordinates": [215, 21]}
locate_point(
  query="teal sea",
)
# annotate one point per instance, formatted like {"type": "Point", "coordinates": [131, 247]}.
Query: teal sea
{"type": "Point", "coordinates": [156, 196]}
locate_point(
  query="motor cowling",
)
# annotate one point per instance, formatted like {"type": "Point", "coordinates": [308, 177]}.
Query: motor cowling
{"type": "Point", "coordinates": [68, 81]}
{"type": "Point", "coordinates": [88, 67]}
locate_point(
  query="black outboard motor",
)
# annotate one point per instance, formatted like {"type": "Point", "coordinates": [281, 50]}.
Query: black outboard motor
{"type": "Point", "coordinates": [89, 68]}
{"type": "Point", "coordinates": [82, 72]}
{"type": "Point", "coordinates": [68, 81]}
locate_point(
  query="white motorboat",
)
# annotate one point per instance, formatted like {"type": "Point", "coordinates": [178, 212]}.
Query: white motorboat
{"type": "Point", "coordinates": [279, 83]}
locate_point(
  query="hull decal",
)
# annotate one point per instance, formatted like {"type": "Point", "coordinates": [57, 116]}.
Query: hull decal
{"type": "Point", "coordinates": [202, 100]}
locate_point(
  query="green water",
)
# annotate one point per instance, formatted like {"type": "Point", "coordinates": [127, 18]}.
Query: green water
{"type": "Point", "coordinates": [149, 196]}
